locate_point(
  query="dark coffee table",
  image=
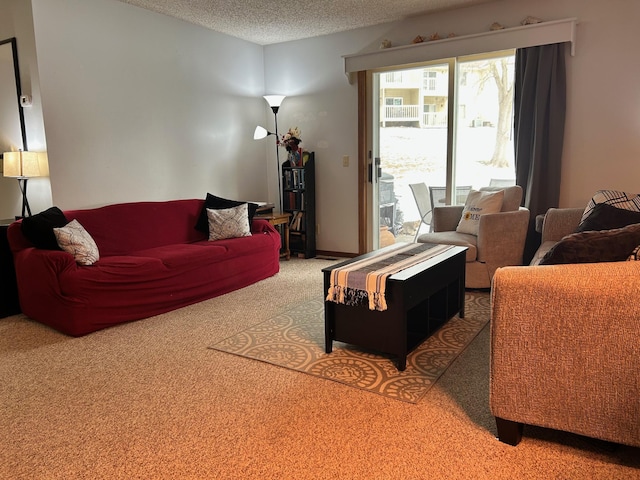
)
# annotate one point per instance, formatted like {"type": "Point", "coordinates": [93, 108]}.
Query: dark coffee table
{"type": "Point", "coordinates": [420, 299]}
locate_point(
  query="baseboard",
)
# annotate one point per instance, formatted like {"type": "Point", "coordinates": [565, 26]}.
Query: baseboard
{"type": "Point", "coordinates": [332, 255]}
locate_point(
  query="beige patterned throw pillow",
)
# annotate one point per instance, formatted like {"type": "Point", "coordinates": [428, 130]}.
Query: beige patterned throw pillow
{"type": "Point", "coordinates": [478, 203]}
{"type": "Point", "coordinates": [74, 239]}
{"type": "Point", "coordinates": [228, 222]}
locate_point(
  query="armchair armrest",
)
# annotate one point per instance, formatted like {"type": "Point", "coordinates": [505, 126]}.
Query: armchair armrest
{"type": "Point", "coordinates": [501, 238]}
{"type": "Point", "coordinates": [564, 348]}
{"type": "Point", "coordinates": [446, 219]}
{"type": "Point", "coordinates": [559, 222]}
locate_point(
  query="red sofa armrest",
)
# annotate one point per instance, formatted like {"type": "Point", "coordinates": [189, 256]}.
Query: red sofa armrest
{"type": "Point", "coordinates": [37, 273]}
{"type": "Point", "coordinates": [259, 225]}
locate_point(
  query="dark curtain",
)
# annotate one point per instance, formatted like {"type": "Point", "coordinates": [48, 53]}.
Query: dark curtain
{"type": "Point", "coordinates": [539, 114]}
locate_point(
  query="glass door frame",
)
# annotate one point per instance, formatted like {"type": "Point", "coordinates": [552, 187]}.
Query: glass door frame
{"type": "Point", "coordinates": [368, 151]}
{"type": "Point", "coordinates": [369, 138]}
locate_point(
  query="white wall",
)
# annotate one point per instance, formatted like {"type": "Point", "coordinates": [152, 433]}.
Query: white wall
{"type": "Point", "coordinates": [16, 21]}
{"type": "Point", "coordinates": [323, 104]}
{"type": "Point", "coordinates": [602, 146]}
{"type": "Point", "coordinates": [141, 106]}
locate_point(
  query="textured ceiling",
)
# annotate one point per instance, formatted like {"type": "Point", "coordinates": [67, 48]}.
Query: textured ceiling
{"type": "Point", "coordinates": [274, 21]}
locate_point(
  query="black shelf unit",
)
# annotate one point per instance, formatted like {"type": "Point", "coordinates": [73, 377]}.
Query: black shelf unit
{"type": "Point", "coordinates": [299, 199]}
{"type": "Point", "coordinates": [9, 303]}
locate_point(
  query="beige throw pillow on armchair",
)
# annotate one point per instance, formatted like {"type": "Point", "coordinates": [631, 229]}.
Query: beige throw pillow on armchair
{"type": "Point", "coordinates": [478, 203]}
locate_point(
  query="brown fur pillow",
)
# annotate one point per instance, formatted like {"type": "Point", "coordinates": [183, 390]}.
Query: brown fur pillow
{"type": "Point", "coordinates": [594, 246]}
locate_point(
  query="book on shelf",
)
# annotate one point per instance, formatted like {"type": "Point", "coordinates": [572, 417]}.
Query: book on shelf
{"type": "Point", "coordinates": [296, 222]}
{"type": "Point", "coordinates": [294, 200]}
{"type": "Point", "coordinates": [293, 178]}
{"type": "Point", "coordinates": [298, 197]}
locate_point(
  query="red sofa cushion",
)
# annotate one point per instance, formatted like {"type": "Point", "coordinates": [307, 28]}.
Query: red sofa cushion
{"type": "Point", "coordinates": [152, 260]}
{"type": "Point", "coordinates": [129, 227]}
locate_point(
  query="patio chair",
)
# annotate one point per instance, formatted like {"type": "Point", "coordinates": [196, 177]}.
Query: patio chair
{"type": "Point", "coordinates": [438, 195]}
{"type": "Point", "coordinates": [423, 202]}
{"type": "Point", "coordinates": [502, 182]}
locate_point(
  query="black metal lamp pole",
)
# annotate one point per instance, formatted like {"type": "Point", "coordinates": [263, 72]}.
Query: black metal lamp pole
{"type": "Point", "coordinates": [275, 117]}
{"type": "Point", "coordinates": [274, 102]}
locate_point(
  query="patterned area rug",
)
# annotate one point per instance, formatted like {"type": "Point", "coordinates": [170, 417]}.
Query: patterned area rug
{"type": "Point", "coordinates": [295, 340]}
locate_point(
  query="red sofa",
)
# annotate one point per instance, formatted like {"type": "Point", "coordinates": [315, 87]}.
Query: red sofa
{"type": "Point", "coordinates": [152, 260]}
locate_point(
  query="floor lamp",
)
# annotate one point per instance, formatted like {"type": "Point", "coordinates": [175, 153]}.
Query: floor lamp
{"type": "Point", "coordinates": [22, 165]}
{"type": "Point", "coordinates": [274, 102]}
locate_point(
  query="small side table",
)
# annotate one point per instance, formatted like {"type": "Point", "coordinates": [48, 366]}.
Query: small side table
{"type": "Point", "coordinates": [275, 219]}
{"type": "Point", "coordinates": [265, 209]}
{"type": "Point", "coordinates": [9, 303]}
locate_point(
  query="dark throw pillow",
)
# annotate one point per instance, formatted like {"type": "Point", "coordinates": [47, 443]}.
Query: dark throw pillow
{"type": "Point", "coordinates": [606, 217]}
{"type": "Point", "coordinates": [39, 228]}
{"type": "Point", "coordinates": [217, 203]}
{"type": "Point", "coordinates": [594, 246]}
{"type": "Point", "coordinates": [635, 255]}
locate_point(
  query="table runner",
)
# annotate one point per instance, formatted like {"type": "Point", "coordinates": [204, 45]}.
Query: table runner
{"type": "Point", "coordinates": [366, 278]}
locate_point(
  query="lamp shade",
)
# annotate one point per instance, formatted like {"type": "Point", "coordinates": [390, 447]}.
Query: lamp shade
{"type": "Point", "coordinates": [260, 132]}
{"type": "Point", "coordinates": [43, 163]}
{"type": "Point", "coordinates": [21, 164]}
{"type": "Point", "coordinates": [274, 100]}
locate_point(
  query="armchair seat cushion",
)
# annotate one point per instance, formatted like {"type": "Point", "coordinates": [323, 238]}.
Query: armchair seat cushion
{"type": "Point", "coordinates": [542, 251]}
{"type": "Point", "coordinates": [454, 238]}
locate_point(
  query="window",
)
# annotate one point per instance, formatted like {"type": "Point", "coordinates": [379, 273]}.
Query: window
{"type": "Point", "coordinates": [466, 151]}
{"type": "Point", "coordinates": [430, 80]}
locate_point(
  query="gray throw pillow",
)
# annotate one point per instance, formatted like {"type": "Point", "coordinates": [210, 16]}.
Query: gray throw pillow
{"type": "Point", "coordinates": [606, 217]}
{"type": "Point", "coordinates": [621, 200]}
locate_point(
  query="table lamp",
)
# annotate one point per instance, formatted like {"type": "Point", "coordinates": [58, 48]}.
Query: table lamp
{"type": "Point", "coordinates": [22, 165]}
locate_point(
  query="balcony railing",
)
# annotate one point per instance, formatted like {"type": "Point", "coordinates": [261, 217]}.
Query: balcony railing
{"type": "Point", "coordinates": [434, 119]}
{"type": "Point", "coordinates": [411, 113]}
{"type": "Point", "coordinates": [401, 113]}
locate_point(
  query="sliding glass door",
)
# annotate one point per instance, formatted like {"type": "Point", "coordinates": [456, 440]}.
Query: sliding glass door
{"type": "Point", "coordinates": [484, 126]}
{"type": "Point", "coordinates": [412, 130]}
{"type": "Point", "coordinates": [446, 124]}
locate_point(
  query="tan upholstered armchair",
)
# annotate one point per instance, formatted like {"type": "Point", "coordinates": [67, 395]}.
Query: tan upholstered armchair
{"type": "Point", "coordinates": [557, 223]}
{"type": "Point", "coordinates": [564, 350]}
{"type": "Point", "coordinates": [564, 344]}
{"type": "Point", "coordinates": [500, 240]}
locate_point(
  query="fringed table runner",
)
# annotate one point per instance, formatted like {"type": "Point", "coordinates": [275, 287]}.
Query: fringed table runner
{"type": "Point", "coordinates": [367, 278]}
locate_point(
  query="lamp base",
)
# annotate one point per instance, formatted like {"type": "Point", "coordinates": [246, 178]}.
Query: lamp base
{"type": "Point", "coordinates": [26, 209]}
